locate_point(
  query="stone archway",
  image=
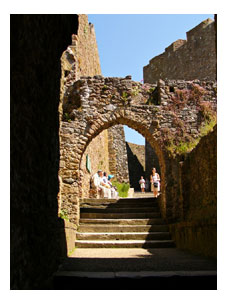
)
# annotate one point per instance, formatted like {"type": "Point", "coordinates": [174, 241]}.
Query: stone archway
{"type": "Point", "coordinates": [92, 105]}
{"type": "Point", "coordinates": [140, 128]}
{"type": "Point", "coordinates": [72, 175]}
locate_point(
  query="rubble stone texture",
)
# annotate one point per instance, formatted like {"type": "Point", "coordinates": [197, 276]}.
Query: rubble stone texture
{"type": "Point", "coordinates": [93, 104]}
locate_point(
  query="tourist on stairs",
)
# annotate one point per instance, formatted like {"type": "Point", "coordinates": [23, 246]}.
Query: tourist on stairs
{"type": "Point", "coordinates": [155, 182]}
{"type": "Point", "coordinates": [142, 184]}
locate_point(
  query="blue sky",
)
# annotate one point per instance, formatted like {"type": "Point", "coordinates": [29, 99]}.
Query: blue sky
{"type": "Point", "coordinates": [126, 43]}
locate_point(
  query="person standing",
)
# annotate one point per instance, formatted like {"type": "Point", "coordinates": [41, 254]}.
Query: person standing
{"type": "Point", "coordinates": [142, 184]}
{"type": "Point", "coordinates": [155, 182]}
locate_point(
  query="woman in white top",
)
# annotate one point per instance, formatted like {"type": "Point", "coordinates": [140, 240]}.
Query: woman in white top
{"type": "Point", "coordinates": [155, 182]}
{"type": "Point", "coordinates": [142, 184]}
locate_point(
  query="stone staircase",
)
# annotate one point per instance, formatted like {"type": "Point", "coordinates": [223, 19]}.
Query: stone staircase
{"type": "Point", "coordinates": [126, 223]}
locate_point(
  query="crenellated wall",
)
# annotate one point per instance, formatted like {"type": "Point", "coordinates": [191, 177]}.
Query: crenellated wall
{"type": "Point", "coordinates": [194, 58]}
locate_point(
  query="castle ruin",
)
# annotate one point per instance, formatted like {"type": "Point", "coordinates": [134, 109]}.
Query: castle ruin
{"type": "Point", "coordinates": [53, 132]}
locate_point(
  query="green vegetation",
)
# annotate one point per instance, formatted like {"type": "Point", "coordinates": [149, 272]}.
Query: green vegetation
{"type": "Point", "coordinates": [71, 251]}
{"type": "Point", "coordinates": [135, 91]}
{"type": "Point", "coordinates": [124, 97]}
{"type": "Point", "coordinates": [85, 29]}
{"type": "Point", "coordinates": [66, 117]}
{"type": "Point", "coordinates": [64, 215]}
{"type": "Point", "coordinates": [122, 188]}
{"type": "Point", "coordinates": [188, 146]}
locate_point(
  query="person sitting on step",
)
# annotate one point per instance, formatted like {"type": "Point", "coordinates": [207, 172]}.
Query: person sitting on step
{"type": "Point", "coordinates": [114, 193]}
{"type": "Point", "coordinates": [100, 185]}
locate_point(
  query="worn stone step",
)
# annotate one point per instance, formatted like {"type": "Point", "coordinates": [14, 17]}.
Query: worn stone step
{"type": "Point", "coordinates": [122, 228]}
{"type": "Point", "coordinates": [120, 215]}
{"type": "Point", "coordinates": [119, 210]}
{"type": "Point", "coordinates": [136, 200]}
{"type": "Point", "coordinates": [125, 244]}
{"type": "Point", "coordinates": [123, 236]}
{"type": "Point", "coordinates": [146, 221]}
{"type": "Point", "coordinates": [118, 205]}
{"type": "Point", "coordinates": [132, 201]}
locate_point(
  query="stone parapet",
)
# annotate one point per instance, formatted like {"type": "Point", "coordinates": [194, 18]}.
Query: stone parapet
{"type": "Point", "coordinates": [194, 58]}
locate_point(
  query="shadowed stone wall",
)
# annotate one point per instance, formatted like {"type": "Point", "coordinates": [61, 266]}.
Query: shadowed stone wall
{"type": "Point", "coordinates": [191, 59]}
{"type": "Point", "coordinates": [136, 164]}
{"type": "Point", "coordinates": [118, 161]}
{"type": "Point", "coordinates": [36, 233]}
{"type": "Point", "coordinates": [151, 160]}
{"type": "Point", "coordinates": [196, 229]}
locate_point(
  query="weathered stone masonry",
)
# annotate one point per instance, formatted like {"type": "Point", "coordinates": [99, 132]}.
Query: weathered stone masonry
{"type": "Point", "coordinates": [81, 58]}
{"type": "Point", "coordinates": [191, 59]}
{"type": "Point", "coordinates": [95, 103]}
{"type": "Point", "coordinates": [118, 161]}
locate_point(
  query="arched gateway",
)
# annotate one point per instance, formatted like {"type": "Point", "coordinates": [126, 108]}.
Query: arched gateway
{"type": "Point", "coordinates": [166, 114]}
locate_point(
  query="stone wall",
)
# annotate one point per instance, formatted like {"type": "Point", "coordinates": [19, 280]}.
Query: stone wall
{"type": "Point", "coordinates": [81, 58]}
{"type": "Point", "coordinates": [172, 116]}
{"type": "Point", "coordinates": [99, 157]}
{"type": "Point", "coordinates": [151, 160]}
{"type": "Point", "coordinates": [36, 233]}
{"type": "Point", "coordinates": [118, 161]}
{"type": "Point", "coordinates": [136, 164]}
{"type": "Point", "coordinates": [197, 228]}
{"type": "Point", "coordinates": [191, 59]}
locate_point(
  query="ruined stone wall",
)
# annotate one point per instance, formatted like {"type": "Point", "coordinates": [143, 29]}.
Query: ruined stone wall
{"type": "Point", "coordinates": [98, 154]}
{"type": "Point", "coordinates": [151, 160]}
{"type": "Point", "coordinates": [197, 228]}
{"type": "Point", "coordinates": [191, 59]}
{"type": "Point", "coordinates": [172, 121]}
{"type": "Point", "coordinates": [81, 58]}
{"type": "Point", "coordinates": [139, 152]}
{"type": "Point", "coordinates": [37, 234]}
{"type": "Point", "coordinates": [118, 162]}
{"type": "Point", "coordinates": [136, 163]}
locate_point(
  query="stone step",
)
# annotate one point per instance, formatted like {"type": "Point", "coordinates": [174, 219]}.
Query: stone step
{"type": "Point", "coordinates": [119, 210]}
{"type": "Point", "coordinates": [131, 201]}
{"type": "Point", "coordinates": [120, 215]}
{"type": "Point", "coordinates": [138, 199]}
{"type": "Point", "coordinates": [135, 280]}
{"type": "Point", "coordinates": [132, 222]}
{"type": "Point", "coordinates": [125, 244]}
{"type": "Point", "coordinates": [122, 228]}
{"type": "Point", "coordinates": [123, 236]}
{"type": "Point", "coordinates": [118, 205]}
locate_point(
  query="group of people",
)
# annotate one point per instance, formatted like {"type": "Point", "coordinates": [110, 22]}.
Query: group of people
{"type": "Point", "coordinates": [155, 183]}
{"type": "Point", "coordinates": [102, 182]}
